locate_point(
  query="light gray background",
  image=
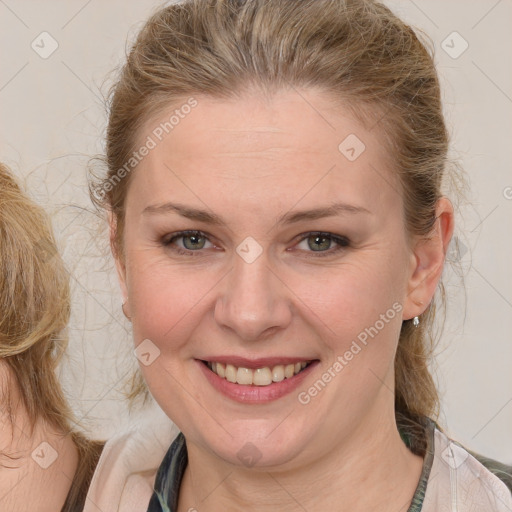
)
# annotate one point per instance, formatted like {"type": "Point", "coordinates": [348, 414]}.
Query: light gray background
{"type": "Point", "coordinates": [53, 120]}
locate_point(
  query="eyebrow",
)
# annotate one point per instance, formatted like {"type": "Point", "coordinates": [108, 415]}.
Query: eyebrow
{"type": "Point", "coordinates": [288, 218]}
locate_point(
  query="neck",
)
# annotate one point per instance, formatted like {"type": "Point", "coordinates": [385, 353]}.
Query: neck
{"type": "Point", "coordinates": [369, 469]}
{"type": "Point", "coordinates": [28, 481]}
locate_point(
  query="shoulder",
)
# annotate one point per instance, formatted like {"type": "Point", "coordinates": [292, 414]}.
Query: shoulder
{"type": "Point", "coordinates": [458, 477]}
{"type": "Point", "coordinates": [502, 471]}
{"type": "Point", "coordinates": [124, 477]}
{"type": "Point", "coordinates": [89, 452]}
{"type": "Point", "coordinates": [37, 462]}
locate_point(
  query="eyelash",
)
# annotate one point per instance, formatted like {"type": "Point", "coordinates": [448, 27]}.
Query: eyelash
{"type": "Point", "coordinates": [342, 241]}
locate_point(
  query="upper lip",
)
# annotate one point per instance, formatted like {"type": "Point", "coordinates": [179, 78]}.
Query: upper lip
{"type": "Point", "coordinates": [243, 362]}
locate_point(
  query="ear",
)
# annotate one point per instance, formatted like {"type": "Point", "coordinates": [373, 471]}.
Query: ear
{"type": "Point", "coordinates": [427, 261]}
{"type": "Point", "coordinates": [118, 258]}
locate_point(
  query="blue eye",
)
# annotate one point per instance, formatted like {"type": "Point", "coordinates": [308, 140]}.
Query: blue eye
{"type": "Point", "coordinates": [191, 241]}
{"type": "Point", "coordinates": [321, 243]}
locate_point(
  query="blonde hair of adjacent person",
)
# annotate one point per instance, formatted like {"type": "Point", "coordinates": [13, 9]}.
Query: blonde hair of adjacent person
{"type": "Point", "coordinates": [34, 313]}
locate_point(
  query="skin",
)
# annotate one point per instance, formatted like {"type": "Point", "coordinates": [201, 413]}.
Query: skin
{"type": "Point", "coordinates": [25, 484]}
{"type": "Point", "coordinates": [251, 160]}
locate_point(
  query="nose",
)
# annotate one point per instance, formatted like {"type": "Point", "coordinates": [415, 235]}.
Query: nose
{"type": "Point", "coordinates": [254, 302]}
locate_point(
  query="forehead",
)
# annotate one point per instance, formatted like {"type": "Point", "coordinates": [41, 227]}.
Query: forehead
{"type": "Point", "coordinates": [295, 145]}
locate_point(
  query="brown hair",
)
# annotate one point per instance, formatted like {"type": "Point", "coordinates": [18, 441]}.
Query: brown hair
{"type": "Point", "coordinates": [34, 313]}
{"type": "Point", "coordinates": [357, 51]}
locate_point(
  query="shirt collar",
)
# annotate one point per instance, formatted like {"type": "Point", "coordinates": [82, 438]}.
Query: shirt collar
{"type": "Point", "coordinates": [170, 473]}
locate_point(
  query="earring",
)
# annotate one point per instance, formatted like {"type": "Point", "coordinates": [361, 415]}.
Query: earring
{"type": "Point", "coordinates": [416, 321]}
{"type": "Point", "coordinates": [124, 311]}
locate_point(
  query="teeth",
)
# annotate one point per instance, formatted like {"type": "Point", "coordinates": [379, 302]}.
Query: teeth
{"type": "Point", "coordinates": [244, 376]}
{"type": "Point", "coordinates": [258, 377]}
{"type": "Point", "coordinates": [230, 373]}
{"type": "Point", "coordinates": [262, 377]}
{"type": "Point", "coordinates": [278, 373]}
{"type": "Point", "coordinates": [220, 370]}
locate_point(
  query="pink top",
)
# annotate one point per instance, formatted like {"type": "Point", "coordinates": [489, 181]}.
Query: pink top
{"type": "Point", "coordinates": [124, 477]}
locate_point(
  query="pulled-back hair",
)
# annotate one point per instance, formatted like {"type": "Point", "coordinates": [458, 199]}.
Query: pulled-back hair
{"type": "Point", "coordinates": [356, 51]}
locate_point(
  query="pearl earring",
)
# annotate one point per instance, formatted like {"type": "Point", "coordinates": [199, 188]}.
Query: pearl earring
{"type": "Point", "coordinates": [416, 321]}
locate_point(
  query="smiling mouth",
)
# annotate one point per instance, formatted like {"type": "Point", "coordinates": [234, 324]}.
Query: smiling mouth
{"type": "Point", "coordinates": [258, 376]}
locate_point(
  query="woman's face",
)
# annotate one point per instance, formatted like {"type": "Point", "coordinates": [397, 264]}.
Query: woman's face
{"type": "Point", "coordinates": [297, 254]}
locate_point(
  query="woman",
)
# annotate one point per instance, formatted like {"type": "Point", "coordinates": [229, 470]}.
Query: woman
{"type": "Point", "coordinates": [274, 190]}
{"type": "Point", "coordinates": [45, 465]}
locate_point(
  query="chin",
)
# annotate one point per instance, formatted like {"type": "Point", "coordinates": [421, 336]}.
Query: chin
{"type": "Point", "coordinates": [255, 444]}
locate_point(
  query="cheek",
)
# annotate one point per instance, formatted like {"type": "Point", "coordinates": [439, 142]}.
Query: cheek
{"type": "Point", "coordinates": [166, 301]}
{"type": "Point", "coordinates": [169, 301]}
{"type": "Point", "coordinates": [357, 313]}
{"type": "Point", "coordinates": [350, 297]}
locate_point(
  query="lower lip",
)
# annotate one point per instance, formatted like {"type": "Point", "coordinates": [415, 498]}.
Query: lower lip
{"type": "Point", "coordinates": [255, 394]}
